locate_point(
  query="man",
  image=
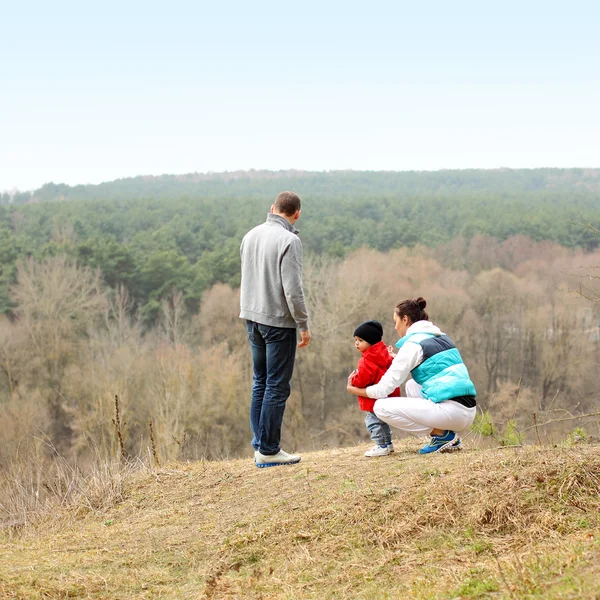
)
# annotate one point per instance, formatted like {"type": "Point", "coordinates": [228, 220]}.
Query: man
{"type": "Point", "coordinates": [272, 302]}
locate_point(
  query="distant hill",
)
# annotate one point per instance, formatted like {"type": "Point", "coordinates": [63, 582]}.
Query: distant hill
{"type": "Point", "coordinates": [156, 234]}
{"type": "Point", "coordinates": [504, 523]}
{"type": "Point", "coordinates": [329, 184]}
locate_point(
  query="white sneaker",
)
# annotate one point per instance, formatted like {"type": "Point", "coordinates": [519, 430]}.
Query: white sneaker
{"type": "Point", "coordinates": [274, 460]}
{"type": "Point", "coordinates": [379, 451]}
{"type": "Point", "coordinates": [391, 446]}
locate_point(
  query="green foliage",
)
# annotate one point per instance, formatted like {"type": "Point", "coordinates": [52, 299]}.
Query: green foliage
{"type": "Point", "coordinates": [8, 256]}
{"type": "Point", "coordinates": [579, 434]}
{"type": "Point", "coordinates": [153, 235]}
{"type": "Point", "coordinates": [479, 584]}
{"type": "Point", "coordinates": [511, 435]}
{"type": "Point", "coordinates": [485, 426]}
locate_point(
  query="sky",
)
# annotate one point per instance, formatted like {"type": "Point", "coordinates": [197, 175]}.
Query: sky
{"type": "Point", "coordinates": [96, 93]}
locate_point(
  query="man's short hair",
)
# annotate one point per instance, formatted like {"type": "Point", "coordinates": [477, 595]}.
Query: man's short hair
{"type": "Point", "coordinates": [287, 203]}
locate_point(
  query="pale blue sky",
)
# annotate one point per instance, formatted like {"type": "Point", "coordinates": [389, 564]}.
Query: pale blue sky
{"type": "Point", "coordinates": [91, 94]}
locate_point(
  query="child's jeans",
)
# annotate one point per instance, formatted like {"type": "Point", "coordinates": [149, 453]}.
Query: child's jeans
{"type": "Point", "coordinates": [380, 432]}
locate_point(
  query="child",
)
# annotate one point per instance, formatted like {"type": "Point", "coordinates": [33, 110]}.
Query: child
{"type": "Point", "coordinates": [374, 362]}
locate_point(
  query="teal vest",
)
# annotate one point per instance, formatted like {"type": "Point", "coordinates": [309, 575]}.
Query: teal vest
{"type": "Point", "coordinates": [442, 374]}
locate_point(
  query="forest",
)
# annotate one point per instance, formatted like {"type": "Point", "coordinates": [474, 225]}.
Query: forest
{"type": "Point", "coordinates": [119, 329]}
{"type": "Point", "coordinates": [151, 235]}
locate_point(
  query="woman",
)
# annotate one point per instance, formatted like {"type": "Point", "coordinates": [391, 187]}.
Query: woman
{"type": "Point", "coordinates": [440, 397]}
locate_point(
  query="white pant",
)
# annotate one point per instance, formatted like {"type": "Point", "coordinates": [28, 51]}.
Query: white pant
{"type": "Point", "coordinates": [419, 416]}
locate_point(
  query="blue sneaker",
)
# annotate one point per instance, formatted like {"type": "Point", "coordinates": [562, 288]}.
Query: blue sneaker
{"type": "Point", "coordinates": [456, 445]}
{"type": "Point", "coordinates": [439, 443]}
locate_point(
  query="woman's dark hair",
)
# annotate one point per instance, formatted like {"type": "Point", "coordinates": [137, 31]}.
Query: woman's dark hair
{"type": "Point", "coordinates": [413, 309]}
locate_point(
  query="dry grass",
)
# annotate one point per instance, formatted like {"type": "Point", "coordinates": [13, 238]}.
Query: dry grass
{"type": "Point", "coordinates": [33, 487]}
{"type": "Point", "coordinates": [511, 523]}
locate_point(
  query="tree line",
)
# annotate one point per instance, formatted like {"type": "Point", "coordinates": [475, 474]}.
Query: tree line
{"type": "Point", "coordinates": [150, 236]}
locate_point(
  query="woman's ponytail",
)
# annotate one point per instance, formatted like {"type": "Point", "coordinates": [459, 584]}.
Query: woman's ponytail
{"type": "Point", "coordinates": [414, 309]}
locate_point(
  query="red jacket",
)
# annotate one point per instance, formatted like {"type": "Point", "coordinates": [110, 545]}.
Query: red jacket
{"type": "Point", "coordinates": [375, 361]}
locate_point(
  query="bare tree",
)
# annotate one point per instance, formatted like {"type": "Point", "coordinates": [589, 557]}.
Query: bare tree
{"type": "Point", "coordinates": [173, 313]}
{"type": "Point", "coordinates": [218, 321]}
{"type": "Point", "coordinates": [11, 354]}
{"type": "Point", "coordinates": [56, 302]}
{"type": "Point", "coordinates": [56, 299]}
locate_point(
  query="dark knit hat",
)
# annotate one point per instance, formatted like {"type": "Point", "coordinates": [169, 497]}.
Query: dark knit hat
{"type": "Point", "coordinates": [370, 331]}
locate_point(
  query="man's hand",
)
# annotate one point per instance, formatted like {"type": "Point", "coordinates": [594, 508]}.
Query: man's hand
{"type": "Point", "coordinates": [304, 338]}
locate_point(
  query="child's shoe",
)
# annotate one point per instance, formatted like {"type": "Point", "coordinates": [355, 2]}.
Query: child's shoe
{"type": "Point", "coordinates": [439, 443]}
{"type": "Point", "coordinates": [380, 450]}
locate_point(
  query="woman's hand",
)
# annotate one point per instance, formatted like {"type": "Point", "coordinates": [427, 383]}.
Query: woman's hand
{"type": "Point", "coordinates": [349, 385]}
{"type": "Point", "coordinates": [391, 351]}
{"type": "Point", "coordinates": [353, 389]}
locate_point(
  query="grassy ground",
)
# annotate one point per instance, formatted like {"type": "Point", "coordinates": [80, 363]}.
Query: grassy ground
{"type": "Point", "coordinates": [511, 523]}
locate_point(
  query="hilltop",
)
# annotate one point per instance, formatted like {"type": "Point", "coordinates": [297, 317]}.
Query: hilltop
{"type": "Point", "coordinates": [496, 523]}
{"type": "Point", "coordinates": [324, 184]}
{"type": "Point", "coordinates": [153, 235]}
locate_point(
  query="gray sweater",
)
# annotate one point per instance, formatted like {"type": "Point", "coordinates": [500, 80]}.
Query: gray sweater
{"type": "Point", "coordinates": [271, 291]}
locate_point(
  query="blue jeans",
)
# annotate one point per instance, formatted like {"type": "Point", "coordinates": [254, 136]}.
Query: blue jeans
{"type": "Point", "coordinates": [273, 354]}
{"type": "Point", "coordinates": [381, 432]}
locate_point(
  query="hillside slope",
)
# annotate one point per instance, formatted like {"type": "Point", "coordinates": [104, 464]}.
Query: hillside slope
{"type": "Point", "coordinates": [330, 183]}
{"type": "Point", "coordinates": [504, 523]}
